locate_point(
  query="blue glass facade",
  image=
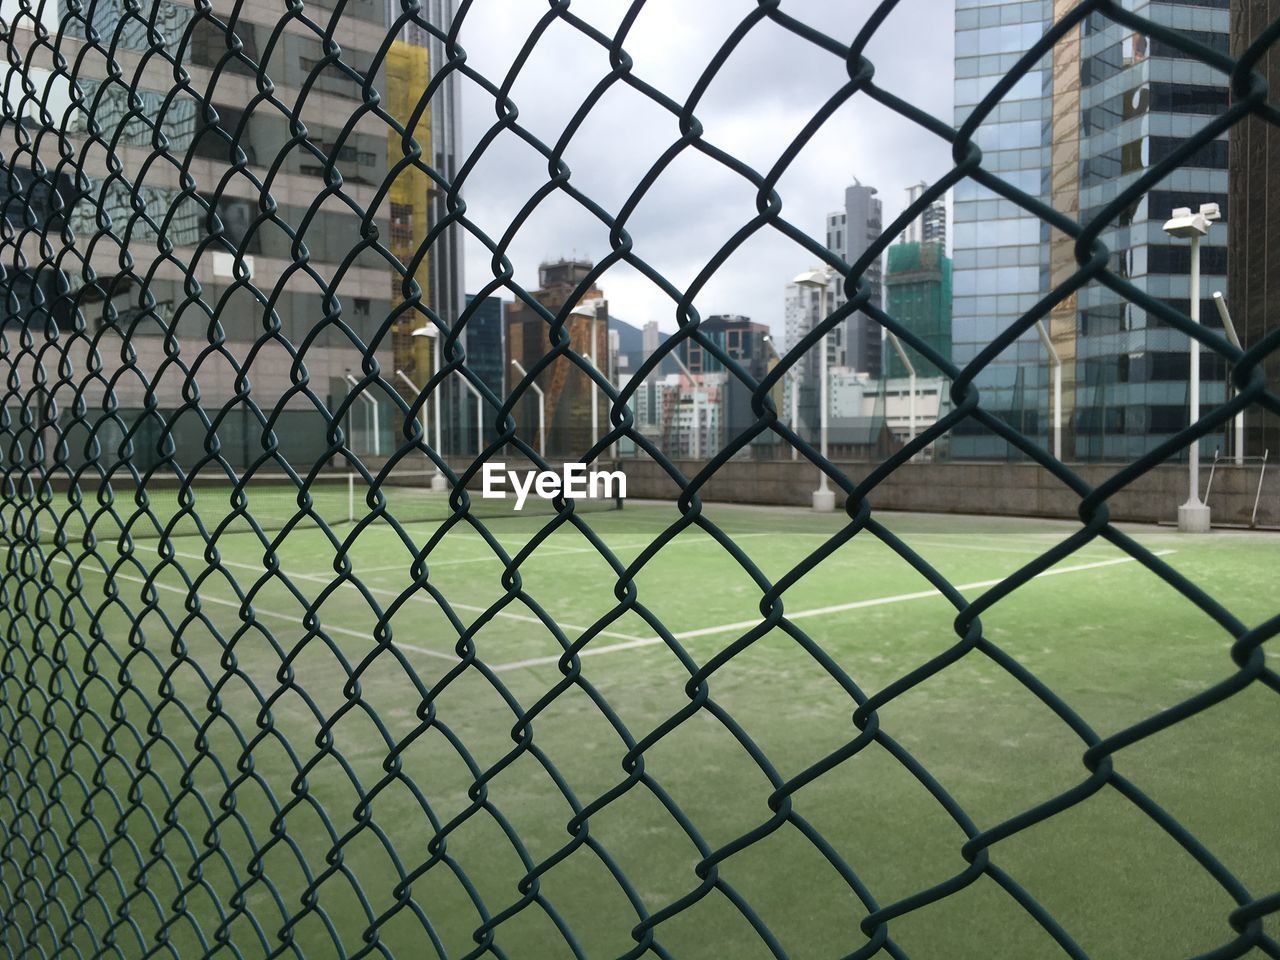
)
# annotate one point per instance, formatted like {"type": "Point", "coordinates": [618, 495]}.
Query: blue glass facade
{"type": "Point", "coordinates": [1001, 252]}
{"type": "Point", "coordinates": [1138, 99]}
{"type": "Point", "coordinates": [485, 344]}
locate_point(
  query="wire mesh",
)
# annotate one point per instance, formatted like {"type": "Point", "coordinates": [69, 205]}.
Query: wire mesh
{"type": "Point", "coordinates": [136, 821]}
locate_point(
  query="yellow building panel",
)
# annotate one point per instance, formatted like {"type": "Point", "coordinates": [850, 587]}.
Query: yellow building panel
{"type": "Point", "coordinates": [408, 195]}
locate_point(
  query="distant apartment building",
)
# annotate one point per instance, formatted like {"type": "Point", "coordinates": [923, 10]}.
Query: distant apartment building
{"type": "Point", "coordinates": [568, 389]}
{"type": "Point", "coordinates": [738, 337]}
{"type": "Point", "coordinates": [690, 415]}
{"type": "Point", "coordinates": [220, 236]}
{"type": "Point", "coordinates": [1075, 131]}
{"type": "Point", "coordinates": [931, 225]}
{"type": "Point", "coordinates": [918, 295]}
{"type": "Point", "coordinates": [650, 337]}
{"type": "Point", "coordinates": [750, 346]}
{"type": "Point", "coordinates": [802, 306]}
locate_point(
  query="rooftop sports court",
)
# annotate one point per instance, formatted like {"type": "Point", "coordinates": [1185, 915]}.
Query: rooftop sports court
{"type": "Point", "coordinates": [560, 733]}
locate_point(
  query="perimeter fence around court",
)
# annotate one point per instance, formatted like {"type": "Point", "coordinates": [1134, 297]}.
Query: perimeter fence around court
{"type": "Point", "coordinates": [205, 222]}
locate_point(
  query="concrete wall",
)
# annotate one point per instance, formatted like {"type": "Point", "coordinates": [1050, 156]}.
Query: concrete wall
{"type": "Point", "coordinates": [1002, 489]}
{"type": "Point", "coordinates": [1008, 489]}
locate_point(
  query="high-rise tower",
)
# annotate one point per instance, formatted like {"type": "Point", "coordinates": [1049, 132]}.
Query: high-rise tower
{"type": "Point", "coordinates": [1081, 126]}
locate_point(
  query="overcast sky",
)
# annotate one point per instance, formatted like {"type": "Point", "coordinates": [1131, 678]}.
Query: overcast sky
{"type": "Point", "coordinates": [769, 88]}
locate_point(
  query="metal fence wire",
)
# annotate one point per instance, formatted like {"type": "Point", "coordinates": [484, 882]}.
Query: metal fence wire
{"type": "Point", "coordinates": [127, 802]}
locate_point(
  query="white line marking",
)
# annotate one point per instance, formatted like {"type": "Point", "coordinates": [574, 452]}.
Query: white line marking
{"type": "Point", "coordinates": [543, 551]}
{"type": "Point", "coordinates": [911, 541]}
{"type": "Point", "coordinates": [427, 598]}
{"type": "Point", "coordinates": [743, 625]}
{"type": "Point", "coordinates": [260, 611]}
{"type": "Point", "coordinates": [419, 597]}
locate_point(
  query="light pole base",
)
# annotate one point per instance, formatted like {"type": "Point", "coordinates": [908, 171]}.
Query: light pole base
{"type": "Point", "coordinates": [824, 501]}
{"type": "Point", "coordinates": [1193, 517]}
{"type": "Point", "coordinates": [438, 482]}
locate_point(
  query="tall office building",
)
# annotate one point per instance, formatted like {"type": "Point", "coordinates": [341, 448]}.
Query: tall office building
{"type": "Point", "coordinates": [218, 236]}
{"type": "Point", "coordinates": [445, 295]}
{"type": "Point", "coordinates": [486, 341]}
{"type": "Point", "coordinates": [931, 225]}
{"type": "Point", "coordinates": [849, 233]}
{"type": "Point", "coordinates": [918, 290]}
{"type": "Point", "coordinates": [483, 341]}
{"type": "Point", "coordinates": [1075, 131]}
{"type": "Point", "coordinates": [1253, 250]}
{"type": "Point", "coordinates": [441, 271]}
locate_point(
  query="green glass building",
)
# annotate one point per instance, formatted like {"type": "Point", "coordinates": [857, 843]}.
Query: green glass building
{"type": "Point", "coordinates": [918, 295]}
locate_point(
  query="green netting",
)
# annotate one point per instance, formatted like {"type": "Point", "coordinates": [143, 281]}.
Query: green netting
{"type": "Point", "coordinates": [918, 292]}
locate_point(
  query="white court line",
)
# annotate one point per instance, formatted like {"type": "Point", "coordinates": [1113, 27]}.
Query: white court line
{"type": "Point", "coordinates": [427, 598]}
{"type": "Point", "coordinates": [951, 545]}
{"type": "Point", "coordinates": [743, 625]}
{"type": "Point", "coordinates": [419, 597]}
{"type": "Point", "coordinates": [553, 551]}
{"type": "Point", "coordinates": [259, 611]}
{"type": "Point", "coordinates": [488, 558]}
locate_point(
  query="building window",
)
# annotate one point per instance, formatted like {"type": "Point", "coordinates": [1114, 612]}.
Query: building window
{"type": "Point", "coordinates": [401, 224]}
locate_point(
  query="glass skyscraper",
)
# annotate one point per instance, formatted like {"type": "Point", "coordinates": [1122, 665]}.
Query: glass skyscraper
{"type": "Point", "coordinates": [1074, 132]}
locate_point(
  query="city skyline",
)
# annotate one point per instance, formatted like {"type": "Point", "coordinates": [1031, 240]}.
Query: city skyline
{"type": "Point", "coordinates": [615, 146]}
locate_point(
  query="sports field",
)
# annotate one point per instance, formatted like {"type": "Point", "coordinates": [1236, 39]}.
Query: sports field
{"type": "Point", "coordinates": [296, 730]}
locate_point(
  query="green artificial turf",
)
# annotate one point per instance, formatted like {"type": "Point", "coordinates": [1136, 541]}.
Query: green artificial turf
{"type": "Point", "coordinates": [225, 760]}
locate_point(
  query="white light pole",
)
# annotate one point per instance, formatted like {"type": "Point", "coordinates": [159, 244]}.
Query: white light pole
{"type": "Point", "coordinates": [911, 379]}
{"type": "Point", "coordinates": [589, 313]}
{"type": "Point", "coordinates": [696, 446]}
{"type": "Point", "coordinates": [438, 482]}
{"type": "Point", "coordinates": [1193, 516]}
{"type": "Point", "coordinates": [1056, 361]}
{"type": "Point", "coordinates": [1230, 327]}
{"type": "Point", "coordinates": [823, 498]}
{"type": "Point", "coordinates": [795, 410]}
{"type": "Point", "coordinates": [426, 429]}
{"type": "Point", "coordinates": [795, 399]}
{"type": "Point", "coordinates": [373, 414]}
{"type": "Point", "coordinates": [542, 408]}
{"type": "Point", "coordinates": [479, 415]}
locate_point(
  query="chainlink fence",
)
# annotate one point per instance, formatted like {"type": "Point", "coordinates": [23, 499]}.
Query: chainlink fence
{"type": "Point", "coordinates": [218, 242]}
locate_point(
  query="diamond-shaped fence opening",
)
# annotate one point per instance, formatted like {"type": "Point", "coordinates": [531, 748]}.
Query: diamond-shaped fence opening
{"type": "Point", "coordinates": [276, 682]}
